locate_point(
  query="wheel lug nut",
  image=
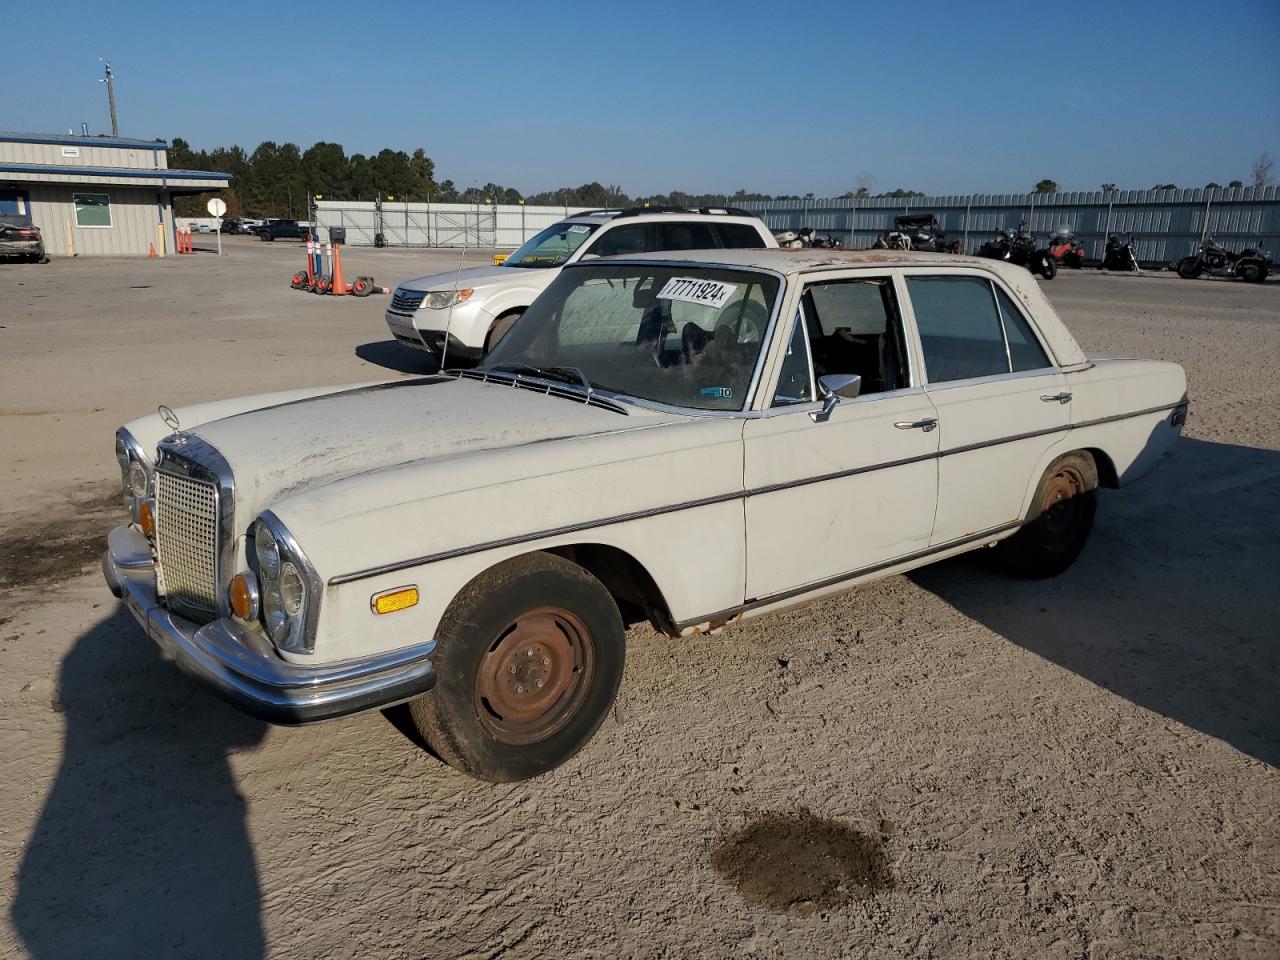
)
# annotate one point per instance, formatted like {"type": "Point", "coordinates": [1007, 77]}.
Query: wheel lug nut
{"type": "Point", "coordinates": [519, 688]}
{"type": "Point", "coordinates": [529, 652]}
{"type": "Point", "coordinates": [512, 668]}
{"type": "Point", "coordinates": [538, 684]}
{"type": "Point", "coordinates": [545, 661]}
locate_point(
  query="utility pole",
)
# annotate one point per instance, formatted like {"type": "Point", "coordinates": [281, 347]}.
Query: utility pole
{"type": "Point", "coordinates": [111, 97]}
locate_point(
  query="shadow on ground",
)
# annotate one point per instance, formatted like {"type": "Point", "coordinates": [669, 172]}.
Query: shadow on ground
{"type": "Point", "coordinates": [142, 848]}
{"type": "Point", "coordinates": [392, 355]}
{"type": "Point", "coordinates": [1173, 604]}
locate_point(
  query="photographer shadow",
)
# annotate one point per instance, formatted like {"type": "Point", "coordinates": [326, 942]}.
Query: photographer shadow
{"type": "Point", "coordinates": [142, 848]}
{"type": "Point", "coordinates": [1174, 602]}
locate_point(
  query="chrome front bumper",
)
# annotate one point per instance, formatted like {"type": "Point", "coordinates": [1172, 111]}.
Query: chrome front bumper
{"type": "Point", "coordinates": [243, 667]}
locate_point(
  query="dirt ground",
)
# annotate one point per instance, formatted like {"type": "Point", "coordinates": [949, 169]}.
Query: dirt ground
{"type": "Point", "coordinates": [1084, 767]}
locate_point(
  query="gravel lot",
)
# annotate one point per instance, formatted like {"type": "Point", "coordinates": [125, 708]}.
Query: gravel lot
{"type": "Point", "coordinates": [1084, 767]}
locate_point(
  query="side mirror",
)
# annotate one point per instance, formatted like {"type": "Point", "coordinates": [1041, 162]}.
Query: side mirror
{"type": "Point", "coordinates": [833, 388]}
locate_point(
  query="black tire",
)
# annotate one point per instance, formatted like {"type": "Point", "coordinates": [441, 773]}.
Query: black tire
{"type": "Point", "coordinates": [500, 328]}
{"type": "Point", "coordinates": [1252, 272]}
{"type": "Point", "coordinates": [1048, 267]}
{"type": "Point", "coordinates": [1058, 523]}
{"type": "Point", "coordinates": [1189, 268]}
{"type": "Point", "coordinates": [541, 603]}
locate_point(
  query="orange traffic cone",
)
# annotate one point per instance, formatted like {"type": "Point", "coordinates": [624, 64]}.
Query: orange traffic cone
{"type": "Point", "coordinates": [336, 286]}
{"type": "Point", "coordinates": [151, 250]}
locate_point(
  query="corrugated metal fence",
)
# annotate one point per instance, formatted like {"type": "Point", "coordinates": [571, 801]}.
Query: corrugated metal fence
{"type": "Point", "coordinates": [1166, 224]}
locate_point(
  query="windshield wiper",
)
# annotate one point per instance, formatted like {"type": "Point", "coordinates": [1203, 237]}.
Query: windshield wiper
{"type": "Point", "coordinates": [572, 375]}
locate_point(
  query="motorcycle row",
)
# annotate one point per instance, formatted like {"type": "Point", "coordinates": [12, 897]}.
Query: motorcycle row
{"type": "Point", "coordinates": [923, 232]}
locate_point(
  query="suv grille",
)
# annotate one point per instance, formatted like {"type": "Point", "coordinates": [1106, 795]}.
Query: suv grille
{"type": "Point", "coordinates": [187, 544]}
{"type": "Point", "coordinates": [407, 301]}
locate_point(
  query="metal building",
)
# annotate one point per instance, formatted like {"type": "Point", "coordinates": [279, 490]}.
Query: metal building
{"type": "Point", "coordinates": [96, 196]}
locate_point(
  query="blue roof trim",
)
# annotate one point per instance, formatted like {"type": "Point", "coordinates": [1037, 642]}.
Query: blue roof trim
{"type": "Point", "coordinates": [74, 141]}
{"type": "Point", "coordinates": [156, 173]}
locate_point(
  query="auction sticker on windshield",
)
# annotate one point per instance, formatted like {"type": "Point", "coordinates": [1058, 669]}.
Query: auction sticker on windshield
{"type": "Point", "coordinates": [708, 293]}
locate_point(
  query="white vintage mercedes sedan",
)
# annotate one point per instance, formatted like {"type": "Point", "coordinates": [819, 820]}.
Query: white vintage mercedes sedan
{"type": "Point", "coordinates": [689, 439]}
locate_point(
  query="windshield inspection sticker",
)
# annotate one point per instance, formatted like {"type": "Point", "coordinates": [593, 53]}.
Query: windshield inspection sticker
{"type": "Point", "coordinates": [579, 228]}
{"type": "Point", "coordinates": [708, 293]}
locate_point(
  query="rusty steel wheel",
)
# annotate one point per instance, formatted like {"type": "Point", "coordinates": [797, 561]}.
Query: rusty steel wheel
{"type": "Point", "coordinates": [1061, 518]}
{"type": "Point", "coordinates": [528, 660]}
{"type": "Point", "coordinates": [1062, 508]}
{"type": "Point", "coordinates": [535, 676]}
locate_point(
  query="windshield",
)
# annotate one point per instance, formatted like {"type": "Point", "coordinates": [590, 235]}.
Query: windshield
{"type": "Point", "coordinates": [552, 247]}
{"type": "Point", "coordinates": [682, 335]}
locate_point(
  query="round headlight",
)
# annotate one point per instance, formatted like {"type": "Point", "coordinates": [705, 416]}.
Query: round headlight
{"type": "Point", "coordinates": [136, 481]}
{"type": "Point", "coordinates": [268, 551]}
{"type": "Point", "coordinates": [292, 592]}
{"type": "Point", "coordinates": [273, 615]}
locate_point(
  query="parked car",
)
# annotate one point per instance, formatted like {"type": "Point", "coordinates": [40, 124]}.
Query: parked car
{"type": "Point", "coordinates": [1250, 264]}
{"type": "Point", "coordinates": [232, 226]}
{"type": "Point", "coordinates": [691, 438]}
{"type": "Point", "coordinates": [283, 230]}
{"type": "Point", "coordinates": [20, 238]}
{"type": "Point", "coordinates": [477, 307]}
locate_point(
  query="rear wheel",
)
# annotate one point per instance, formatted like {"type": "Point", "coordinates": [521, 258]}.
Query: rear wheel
{"type": "Point", "coordinates": [1048, 267]}
{"type": "Point", "coordinates": [529, 660]}
{"type": "Point", "coordinates": [1059, 521]}
{"type": "Point", "coordinates": [1252, 272]}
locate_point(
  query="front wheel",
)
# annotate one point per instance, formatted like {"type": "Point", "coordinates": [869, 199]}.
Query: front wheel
{"type": "Point", "coordinates": [500, 328]}
{"type": "Point", "coordinates": [1059, 521]}
{"type": "Point", "coordinates": [529, 660]}
{"type": "Point", "coordinates": [1189, 268]}
{"type": "Point", "coordinates": [1048, 267]}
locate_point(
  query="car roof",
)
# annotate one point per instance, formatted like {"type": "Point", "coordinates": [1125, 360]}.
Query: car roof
{"type": "Point", "coordinates": [647, 214]}
{"type": "Point", "coordinates": [792, 260]}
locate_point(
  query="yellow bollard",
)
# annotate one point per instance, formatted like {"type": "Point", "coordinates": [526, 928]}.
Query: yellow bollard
{"type": "Point", "coordinates": [159, 239]}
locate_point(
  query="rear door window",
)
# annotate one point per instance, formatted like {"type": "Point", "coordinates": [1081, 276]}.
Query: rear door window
{"type": "Point", "coordinates": [1025, 352]}
{"type": "Point", "coordinates": [960, 330]}
{"type": "Point", "coordinates": [622, 240]}
{"type": "Point", "coordinates": [740, 236]}
{"type": "Point", "coordinates": [686, 236]}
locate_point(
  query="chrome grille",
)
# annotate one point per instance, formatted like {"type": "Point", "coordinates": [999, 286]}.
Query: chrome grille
{"type": "Point", "coordinates": [187, 544]}
{"type": "Point", "coordinates": [407, 301]}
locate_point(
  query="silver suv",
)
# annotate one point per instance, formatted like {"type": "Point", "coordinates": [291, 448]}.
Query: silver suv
{"type": "Point", "coordinates": [475, 308]}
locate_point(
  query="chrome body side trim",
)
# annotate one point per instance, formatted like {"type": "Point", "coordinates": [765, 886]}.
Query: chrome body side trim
{"type": "Point", "coordinates": [721, 498]}
{"type": "Point", "coordinates": [241, 666]}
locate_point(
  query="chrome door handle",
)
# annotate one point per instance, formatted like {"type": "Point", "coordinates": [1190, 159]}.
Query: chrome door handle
{"type": "Point", "coordinates": [1056, 398]}
{"type": "Point", "coordinates": [926, 424]}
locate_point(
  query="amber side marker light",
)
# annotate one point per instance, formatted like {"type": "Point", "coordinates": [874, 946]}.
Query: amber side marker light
{"type": "Point", "coordinates": [147, 519]}
{"type": "Point", "coordinates": [389, 601]}
{"type": "Point", "coordinates": [242, 594]}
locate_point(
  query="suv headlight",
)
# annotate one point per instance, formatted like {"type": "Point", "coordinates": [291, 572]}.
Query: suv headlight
{"type": "Point", "coordinates": [135, 472]}
{"type": "Point", "coordinates": [444, 299]}
{"type": "Point", "coordinates": [288, 586]}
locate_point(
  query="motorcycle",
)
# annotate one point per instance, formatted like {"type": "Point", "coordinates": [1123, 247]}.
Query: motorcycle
{"type": "Point", "coordinates": [1020, 247]}
{"type": "Point", "coordinates": [795, 239]}
{"type": "Point", "coordinates": [1119, 256]}
{"type": "Point", "coordinates": [1065, 248]}
{"type": "Point", "coordinates": [1250, 265]}
{"type": "Point", "coordinates": [919, 231]}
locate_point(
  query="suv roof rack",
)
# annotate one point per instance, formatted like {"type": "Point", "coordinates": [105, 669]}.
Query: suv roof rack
{"type": "Point", "coordinates": [639, 211]}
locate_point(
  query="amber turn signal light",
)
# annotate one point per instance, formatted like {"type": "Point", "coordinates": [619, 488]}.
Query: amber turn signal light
{"type": "Point", "coordinates": [390, 601]}
{"type": "Point", "coordinates": [243, 596]}
{"type": "Point", "coordinates": [147, 519]}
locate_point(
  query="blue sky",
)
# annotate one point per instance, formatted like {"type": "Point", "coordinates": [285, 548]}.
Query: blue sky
{"type": "Point", "coordinates": [771, 97]}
